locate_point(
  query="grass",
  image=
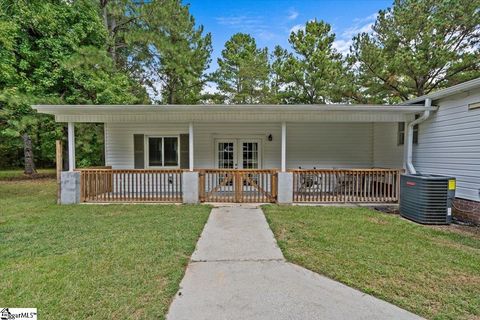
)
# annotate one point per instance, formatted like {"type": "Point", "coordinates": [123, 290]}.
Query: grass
{"type": "Point", "coordinates": [91, 261]}
{"type": "Point", "coordinates": [430, 271]}
{"type": "Point", "coordinates": [17, 174]}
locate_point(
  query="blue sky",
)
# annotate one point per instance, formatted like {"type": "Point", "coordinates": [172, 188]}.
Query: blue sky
{"type": "Point", "coordinates": [271, 22]}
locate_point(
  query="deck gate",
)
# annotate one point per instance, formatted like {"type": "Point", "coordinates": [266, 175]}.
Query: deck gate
{"type": "Point", "coordinates": [229, 185]}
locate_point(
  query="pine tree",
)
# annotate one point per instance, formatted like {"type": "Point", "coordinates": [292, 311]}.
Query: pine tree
{"type": "Point", "coordinates": [243, 71]}
{"type": "Point", "coordinates": [418, 46]}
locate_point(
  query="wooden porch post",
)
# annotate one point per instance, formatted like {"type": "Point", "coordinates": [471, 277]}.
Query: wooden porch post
{"type": "Point", "coordinates": [59, 164]}
{"type": "Point", "coordinates": [190, 145]}
{"type": "Point", "coordinates": [284, 146]}
{"type": "Point", "coordinates": [71, 146]}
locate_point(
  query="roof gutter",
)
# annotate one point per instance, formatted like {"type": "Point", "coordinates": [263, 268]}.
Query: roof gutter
{"type": "Point", "coordinates": [426, 114]}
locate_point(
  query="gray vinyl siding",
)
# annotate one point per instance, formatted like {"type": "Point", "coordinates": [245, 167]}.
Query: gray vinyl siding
{"type": "Point", "coordinates": [205, 135]}
{"type": "Point", "coordinates": [119, 151]}
{"type": "Point", "coordinates": [387, 152]}
{"type": "Point", "coordinates": [320, 145]}
{"type": "Point", "coordinates": [329, 145]}
{"type": "Point", "coordinates": [449, 143]}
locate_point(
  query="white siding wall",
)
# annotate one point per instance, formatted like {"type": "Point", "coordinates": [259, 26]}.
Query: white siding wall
{"type": "Point", "coordinates": [329, 145]}
{"type": "Point", "coordinates": [320, 145]}
{"type": "Point", "coordinates": [387, 153]}
{"type": "Point", "coordinates": [449, 144]}
{"type": "Point", "coordinates": [206, 133]}
{"type": "Point", "coordinates": [119, 140]}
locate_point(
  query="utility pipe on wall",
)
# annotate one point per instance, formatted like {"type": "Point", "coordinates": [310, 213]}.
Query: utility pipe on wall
{"type": "Point", "coordinates": [426, 114]}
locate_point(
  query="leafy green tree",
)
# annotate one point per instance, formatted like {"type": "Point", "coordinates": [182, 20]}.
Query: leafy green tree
{"type": "Point", "coordinates": [243, 71]}
{"type": "Point", "coordinates": [314, 73]}
{"type": "Point", "coordinates": [418, 46]}
{"type": "Point", "coordinates": [54, 52]}
{"type": "Point", "coordinates": [178, 52]}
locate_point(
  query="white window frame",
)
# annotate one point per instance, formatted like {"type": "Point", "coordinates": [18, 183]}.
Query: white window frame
{"type": "Point", "coordinates": [147, 151]}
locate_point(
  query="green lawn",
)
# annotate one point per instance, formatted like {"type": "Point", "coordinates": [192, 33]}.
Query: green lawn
{"type": "Point", "coordinates": [17, 174]}
{"type": "Point", "coordinates": [429, 271]}
{"type": "Point", "coordinates": [91, 261]}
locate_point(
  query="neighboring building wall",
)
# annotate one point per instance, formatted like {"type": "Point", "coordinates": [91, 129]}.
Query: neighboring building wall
{"type": "Point", "coordinates": [386, 151]}
{"type": "Point", "coordinates": [449, 144]}
{"type": "Point", "coordinates": [320, 145]}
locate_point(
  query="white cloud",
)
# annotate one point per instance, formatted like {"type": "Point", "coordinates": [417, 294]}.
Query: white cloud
{"type": "Point", "coordinates": [342, 46]}
{"type": "Point", "coordinates": [344, 39]}
{"type": "Point", "coordinates": [292, 14]}
{"type": "Point", "coordinates": [361, 25]}
{"type": "Point", "coordinates": [243, 20]}
{"type": "Point", "coordinates": [369, 18]}
{"type": "Point", "coordinates": [297, 27]}
{"type": "Point", "coordinates": [252, 24]}
{"type": "Point", "coordinates": [353, 31]}
{"type": "Point", "coordinates": [265, 35]}
{"type": "Point", "coordinates": [210, 88]}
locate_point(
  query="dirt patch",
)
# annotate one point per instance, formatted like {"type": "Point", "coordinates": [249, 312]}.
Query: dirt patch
{"type": "Point", "coordinates": [38, 180]}
{"type": "Point", "coordinates": [25, 177]}
{"type": "Point", "coordinates": [469, 230]}
{"type": "Point", "coordinates": [387, 209]}
{"type": "Point", "coordinates": [377, 220]}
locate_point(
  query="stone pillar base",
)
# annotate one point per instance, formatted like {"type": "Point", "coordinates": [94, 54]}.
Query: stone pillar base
{"type": "Point", "coordinates": [70, 187]}
{"type": "Point", "coordinates": [285, 188]}
{"type": "Point", "coordinates": [190, 187]}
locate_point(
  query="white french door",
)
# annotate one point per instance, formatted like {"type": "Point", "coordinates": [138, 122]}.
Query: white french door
{"type": "Point", "coordinates": [238, 154]}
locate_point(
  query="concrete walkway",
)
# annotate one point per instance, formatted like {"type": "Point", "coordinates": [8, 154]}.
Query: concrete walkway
{"type": "Point", "coordinates": [238, 272]}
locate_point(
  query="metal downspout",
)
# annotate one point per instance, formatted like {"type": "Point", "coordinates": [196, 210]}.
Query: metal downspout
{"type": "Point", "coordinates": [426, 114]}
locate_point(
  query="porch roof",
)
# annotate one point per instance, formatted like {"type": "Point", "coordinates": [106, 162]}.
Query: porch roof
{"type": "Point", "coordinates": [232, 113]}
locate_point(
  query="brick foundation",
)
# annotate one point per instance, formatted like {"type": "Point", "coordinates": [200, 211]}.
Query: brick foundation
{"type": "Point", "coordinates": [467, 210]}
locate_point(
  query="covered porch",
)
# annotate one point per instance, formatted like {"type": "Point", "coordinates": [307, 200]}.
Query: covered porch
{"type": "Point", "coordinates": [248, 153]}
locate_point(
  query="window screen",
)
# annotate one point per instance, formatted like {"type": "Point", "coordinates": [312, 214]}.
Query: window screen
{"type": "Point", "coordinates": [163, 152]}
{"type": "Point", "coordinates": [155, 152]}
{"type": "Point", "coordinates": [401, 133]}
{"type": "Point", "coordinates": [171, 152]}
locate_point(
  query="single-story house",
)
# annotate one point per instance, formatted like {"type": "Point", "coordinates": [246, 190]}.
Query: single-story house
{"type": "Point", "coordinates": [284, 153]}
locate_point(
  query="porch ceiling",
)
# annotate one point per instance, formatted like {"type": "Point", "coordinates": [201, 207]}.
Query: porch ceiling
{"type": "Point", "coordinates": [232, 113]}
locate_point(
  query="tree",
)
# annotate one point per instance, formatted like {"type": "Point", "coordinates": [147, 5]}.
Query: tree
{"type": "Point", "coordinates": [314, 73]}
{"type": "Point", "coordinates": [243, 71]}
{"type": "Point", "coordinates": [178, 52]}
{"type": "Point", "coordinates": [53, 52]}
{"type": "Point", "coordinates": [418, 46]}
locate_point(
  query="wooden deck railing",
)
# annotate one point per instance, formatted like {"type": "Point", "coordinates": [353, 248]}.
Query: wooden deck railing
{"type": "Point", "coordinates": [346, 185]}
{"type": "Point", "coordinates": [138, 185]}
{"type": "Point", "coordinates": [230, 185]}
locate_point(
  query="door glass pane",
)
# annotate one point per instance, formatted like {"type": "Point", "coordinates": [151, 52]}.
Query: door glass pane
{"type": "Point", "coordinates": [250, 155]}
{"type": "Point", "coordinates": [155, 152]}
{"type": "Point", "coordinates": [171, 151]}
{"type": "Point", "coordinates": [225, 155]}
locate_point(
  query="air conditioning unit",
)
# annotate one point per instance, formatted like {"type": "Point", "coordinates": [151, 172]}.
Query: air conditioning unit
{"type": "Point", "coordinates": [427, 199]}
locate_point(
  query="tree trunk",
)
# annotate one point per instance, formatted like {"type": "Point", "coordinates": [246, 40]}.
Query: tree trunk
{"type": "Point", "coordinates": [28, 153]}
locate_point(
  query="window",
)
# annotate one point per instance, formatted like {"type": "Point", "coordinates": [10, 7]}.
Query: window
{"type": "Point", "coordinates": [163, 152]}
{"type": "Point", "coordinates": [401, 133]}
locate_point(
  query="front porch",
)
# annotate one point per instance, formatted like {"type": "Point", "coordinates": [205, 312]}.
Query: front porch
{"type": "Point", "coordinates": [282, 154]}
{"type": "Point", "coordinates": [241, 186]}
